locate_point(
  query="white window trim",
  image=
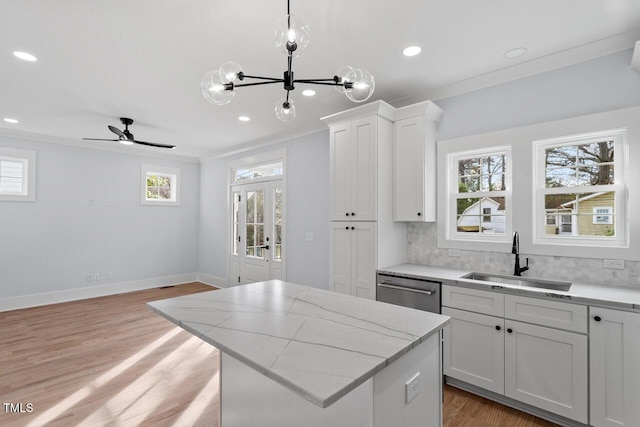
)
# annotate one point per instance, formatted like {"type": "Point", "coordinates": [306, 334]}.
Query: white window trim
{"type": "Point", "coordinates": [28, 160]}
{"type": "Point", "coordinates": [621, 167]}
{"type": "Point", "coordinates": [174, 173]}
{"type": "Point", "coordinates": [452, 233]}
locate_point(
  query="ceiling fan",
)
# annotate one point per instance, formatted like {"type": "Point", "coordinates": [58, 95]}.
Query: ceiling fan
{"type": "Point", "coordinates": [125, 137]}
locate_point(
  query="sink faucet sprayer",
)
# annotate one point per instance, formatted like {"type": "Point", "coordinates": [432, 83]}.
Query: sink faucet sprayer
{"type": "Point", "coordinates": [515, 249]}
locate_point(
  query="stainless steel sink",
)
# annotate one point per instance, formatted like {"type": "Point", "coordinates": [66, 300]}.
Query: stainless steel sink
{"type": "Point", "coordinates": [519, 281]}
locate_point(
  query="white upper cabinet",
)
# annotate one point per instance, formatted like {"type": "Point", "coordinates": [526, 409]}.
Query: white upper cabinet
{"type": "Point", "coordinates": [414, 177]}
{"type": "Point", "coordinates": [353, 148]}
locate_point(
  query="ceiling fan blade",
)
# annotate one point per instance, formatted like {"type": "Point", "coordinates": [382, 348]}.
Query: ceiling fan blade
{"type": "Point", "coordinates": [100, 139]}
{"type": "Point", "coordinates": [153, 144]}
{"type": "Point", "coordinates": [117, 131]}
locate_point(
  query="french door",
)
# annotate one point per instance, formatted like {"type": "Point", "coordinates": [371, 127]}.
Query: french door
{"type": "Point", "coordinates": [257, 232]}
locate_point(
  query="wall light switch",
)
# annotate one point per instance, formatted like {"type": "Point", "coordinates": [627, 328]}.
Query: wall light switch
{"type": "Point", "coordinates": [310, 236]}
{"type": "Point", "coordinates": [412, 388]}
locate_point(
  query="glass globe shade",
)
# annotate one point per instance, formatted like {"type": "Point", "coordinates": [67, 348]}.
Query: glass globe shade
{"type": "Point", "coordinates": [285, 110]}
{"type": "Point", "coordinates": [342, 73]}
{"type": "Point", "coordinates": [292, 33]}
{"type": "Point", "coordinates": [229, 72]}
{"type": "Point", "coordinates": [363, 85]}
{"type": "Point", "coordinates": [213, 89]}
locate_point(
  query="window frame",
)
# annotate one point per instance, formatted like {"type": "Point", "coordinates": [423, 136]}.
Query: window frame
{"type": "Point", "coordinates": [174, 176]}
{"type": "Point", "coordinates": [452, 233]}
{"type": "Point", "coordinates": [28, 160]}
{"type": "Point", "coordinates": [619, 187]}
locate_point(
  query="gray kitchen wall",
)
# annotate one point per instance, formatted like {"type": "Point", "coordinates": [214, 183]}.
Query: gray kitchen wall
{"type": "Point", "coordinates": [48, 247]}
{"type": "Point", "coordinates": [307, 210]}
{"type": "Point", "coordinates": [599, 85]}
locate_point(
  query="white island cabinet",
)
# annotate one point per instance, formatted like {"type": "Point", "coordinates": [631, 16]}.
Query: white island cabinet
{"type": "Point", "coordinates": [299, 356]}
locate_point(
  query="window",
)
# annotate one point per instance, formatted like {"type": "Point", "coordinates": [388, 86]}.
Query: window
{"type": "Point", "coordinates": [257, 172]}
{"type": "Point", "coordinates": [479, 195]}
{"type": "Point", "coordinates": [160, 186]}
{"type": "Point", "coordinates": [17, 175]}
{"type": "Point", "coordinates": [580, 180]}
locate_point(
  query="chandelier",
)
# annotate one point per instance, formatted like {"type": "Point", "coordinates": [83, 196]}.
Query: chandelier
{"type": "Point", "coordinates": [292, 38]}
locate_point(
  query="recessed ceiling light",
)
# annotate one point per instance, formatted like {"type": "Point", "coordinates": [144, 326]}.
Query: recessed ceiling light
{"type": "Point", "coordinates": [10, 120]}
{"type": "Point", "coordinates": [308, 92]}
{"type": "Point", "coordinates": [515, 53]}
{"type": "Point", "coordinates": [25, 56]}
{"type": "Point", "coordinates": [244, 118]}
{"type": "Point", "coordinates": [411, 50]}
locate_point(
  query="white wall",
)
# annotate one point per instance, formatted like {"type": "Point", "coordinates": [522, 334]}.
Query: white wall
{"type": "Point", "coordinates": [601, 85]}
{"type": "Point", "coordinates": [48, 247]}
{"type": "Point", "coordinates": [307, 210]}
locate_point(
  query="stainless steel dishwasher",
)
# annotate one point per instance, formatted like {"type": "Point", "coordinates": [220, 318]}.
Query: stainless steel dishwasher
{"type": "Point", "coordinates": [422, 294]}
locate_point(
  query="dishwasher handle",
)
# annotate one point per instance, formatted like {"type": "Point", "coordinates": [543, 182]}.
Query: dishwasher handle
{"type": "Point", "coordinates": [403, 288]}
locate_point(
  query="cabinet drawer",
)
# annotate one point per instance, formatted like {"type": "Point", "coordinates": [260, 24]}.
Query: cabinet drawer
{"type": "Point", "coordinates": [561, 315]}
{"type": "Point", "coordinates": [484, 302]}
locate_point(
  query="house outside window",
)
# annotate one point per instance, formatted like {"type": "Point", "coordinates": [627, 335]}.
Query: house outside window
{"type": "Point", "coordinates": [479, 195]}
{"type": "Point", "coordinates": [580, 179]}
{"type": "Point", "coordinates": [160, 186]}
{"type": "Point", "coordinates": [17, 175]}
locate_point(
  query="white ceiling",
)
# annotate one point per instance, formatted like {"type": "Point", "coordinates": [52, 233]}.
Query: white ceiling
{"type": "Point", "coordinates": [144, 59]}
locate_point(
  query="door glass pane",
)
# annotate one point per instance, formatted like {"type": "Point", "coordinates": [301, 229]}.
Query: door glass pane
{"type": "Point", "coordinates": [255, 223]}
{"type": "Point", "coordinates": [235, 215]}
{"type": "Point", "coordinates": [277, 220]}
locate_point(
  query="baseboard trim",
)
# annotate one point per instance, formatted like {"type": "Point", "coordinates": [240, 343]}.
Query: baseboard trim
{"type": "Point", "coordinates": [216, 281]}
{"type": "Point", "coordinates": [66, 295]}
{"type": "Point", "coordinates": [540, 413]}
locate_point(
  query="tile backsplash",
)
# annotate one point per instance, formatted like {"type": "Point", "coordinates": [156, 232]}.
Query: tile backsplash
{"type": "Point", "coordinates": [423, 250]}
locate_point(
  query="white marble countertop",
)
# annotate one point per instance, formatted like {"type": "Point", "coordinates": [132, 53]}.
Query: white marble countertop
{"type": "Point", "coordinates": [588, 294]}
{"type": "Point", "coordinates": [318, 343]}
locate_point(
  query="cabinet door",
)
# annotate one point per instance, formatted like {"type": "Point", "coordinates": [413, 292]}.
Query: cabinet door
{"type": "Point", "coordinates": [409, 183]}
{"type": "Point", "coordinates": [547, 368]}
{"type": "Point", "coordinates": [340, 171]}
{"type": "Point", "coordinates": [341, 257]}
{"type": "Point", "coordinates": [364, 159]}
{"type": "Point", "coordinates": [363, 259]}
{"type": "Point", "coordinates": [614, 350]}
{"type": "Point", "coordinates": [474, 349]}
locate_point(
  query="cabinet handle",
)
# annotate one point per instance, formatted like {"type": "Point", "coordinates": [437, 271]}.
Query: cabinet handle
{"type": "Point", "coordinates": [510, 330]}
{"type": "Point", "coordinates": [597, 318]}
{"type": "Point", "coordinates": [419, 214]}
{"type": "Point", "coordinates": [346, 228]}
{"type": "Point", "coordinates": [347, 214]}
{"type": "Point", "coordinates": [353, 228]}
{"type": "Point", "coordinates": [353, 214]}
{"type": "Point", "coordinates": [498, 328]}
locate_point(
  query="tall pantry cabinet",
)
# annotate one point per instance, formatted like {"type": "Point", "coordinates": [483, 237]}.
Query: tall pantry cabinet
{"type": "Point", "coordinates": [364, 236]}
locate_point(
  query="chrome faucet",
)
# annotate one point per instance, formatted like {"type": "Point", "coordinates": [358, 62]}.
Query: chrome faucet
{"type": "Point", "coordinates": [515, 249]}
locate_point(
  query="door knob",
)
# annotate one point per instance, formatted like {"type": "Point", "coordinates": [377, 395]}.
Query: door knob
{"type": "Point", "coordinates": [264, 247]}
{"type": "Point", "coordinates": [510, 330]}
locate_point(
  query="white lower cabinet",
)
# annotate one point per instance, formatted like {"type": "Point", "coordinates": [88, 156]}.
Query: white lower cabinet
{"type": "Point", "coordinates": [538, 365]}
{"type": "Point", "coordinates": [484, 365]}
{"type": "Point", "coordinates": [614, 348]}
{"type": "Point", "coordinates": [546, 368]}
{"type": "Point", "coordinates": [354, 258]}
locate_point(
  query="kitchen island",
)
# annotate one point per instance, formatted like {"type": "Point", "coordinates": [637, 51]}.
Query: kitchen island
{"type": "Point", "coordinates": [294, 355]}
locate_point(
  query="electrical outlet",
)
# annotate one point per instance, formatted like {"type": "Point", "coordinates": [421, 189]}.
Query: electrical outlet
{"type": "Point", "coordinates": [412, 388]}
{"type": "Point", "coordinates": [310, 236]}
{"type": "Point", "coordinates": [453, 252]}
{"type": "Point", "coordinates": [617, 264]}
{"type": "Point", "coordinates": [109, 275]}
{"type": "Point", "coordinates": [89, 277]}
{"type": "Point", "coordinates": [95, 277]}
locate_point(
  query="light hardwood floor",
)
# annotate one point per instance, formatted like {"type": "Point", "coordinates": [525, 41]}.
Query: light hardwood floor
{"type": "Point", "coordinates": [110, 361]}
